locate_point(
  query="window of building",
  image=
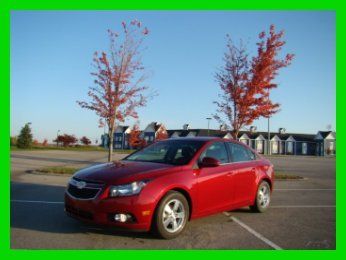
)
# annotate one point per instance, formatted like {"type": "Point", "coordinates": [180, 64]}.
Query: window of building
{"type": "Point", "coordinates": [289, 147]}
{"type": "Point", "coordinates": [259, 147]}
{"type": "Point", "coordinates": [275, 147]}
{"type": "Point", "coordinates": [304, 148]}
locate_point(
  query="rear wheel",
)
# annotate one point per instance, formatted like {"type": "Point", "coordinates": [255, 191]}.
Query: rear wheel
{"type": "Point", "coordinates": [262, 201]}
{"type": "Point", "coordinates": [171, 215]}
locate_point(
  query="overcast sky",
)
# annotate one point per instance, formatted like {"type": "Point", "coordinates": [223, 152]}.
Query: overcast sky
{"type": "Point", "coordinates": [51, 54]}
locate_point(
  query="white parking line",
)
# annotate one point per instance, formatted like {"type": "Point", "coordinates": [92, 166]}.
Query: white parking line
{"type": "Point", "coordinates": [38, 201]}
{"type": "Point", "coordinates": [304, 189]}
{"type": "Point", "coordinates": [256, 234]}
{"type": "Point", "coordinates": [302, 206]}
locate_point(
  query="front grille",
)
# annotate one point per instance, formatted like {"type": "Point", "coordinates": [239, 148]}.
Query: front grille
{"type": "Point", "coordinates": [89, 191]}
{"type": "Point", "coordinates": [79, 213]}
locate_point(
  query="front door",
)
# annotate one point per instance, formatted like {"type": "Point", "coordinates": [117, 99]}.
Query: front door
{"type": "Point", "coordinates": [214, 183]}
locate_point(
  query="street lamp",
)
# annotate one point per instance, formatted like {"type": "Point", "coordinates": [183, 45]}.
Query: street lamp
{"type": "Point", "coordinates": [57, 135]}
{"type": "Point", "coordinates": [208, 118]}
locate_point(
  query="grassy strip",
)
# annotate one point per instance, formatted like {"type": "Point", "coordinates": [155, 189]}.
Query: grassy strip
{"type": "Point", "coordinates": [285, 176]}
{"type": "Point", "coordinates": [58, 170]}
{"type": "Point", "coordinates": [72, 148]}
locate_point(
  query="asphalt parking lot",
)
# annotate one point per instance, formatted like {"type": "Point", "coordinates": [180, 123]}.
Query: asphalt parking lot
{"type": "Point", "coordinates": [302, 213]}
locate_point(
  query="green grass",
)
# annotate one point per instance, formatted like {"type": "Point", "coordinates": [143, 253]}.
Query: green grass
{"type": "Point", "coordinates": [70, 148]}
{"type": "Point", "coordinates": [58, 170]}
{"type": "Point", "coordinates": [285, 176]}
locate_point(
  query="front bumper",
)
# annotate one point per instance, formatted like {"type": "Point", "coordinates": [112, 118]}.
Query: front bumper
{"type": "Point", "coordinates": [102, 210]}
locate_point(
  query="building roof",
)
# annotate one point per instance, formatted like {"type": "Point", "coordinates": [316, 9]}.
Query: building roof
{"type": "Point", "coordinates": [199, 132]}
{"type": "Point", "coordinates": [324, 134]}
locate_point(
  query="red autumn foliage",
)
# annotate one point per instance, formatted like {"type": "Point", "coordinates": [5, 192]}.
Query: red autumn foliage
{"type": "Point", "coordinates": [85, 140]}
{"type": "Point", "coordinates": [118, 89]}
{"type": "Point", "coordinates": [135, 141]}
{"type": "Point", "coordinates": [246, 83]}
{"type": "Point", "coordinates": [161, 134]}
{"type": "Point", "coordinates": [35, 142]}
{"type": "Point", "coordinates": [45, 142]}
{"type": "Point", "coordinates": [66, 140]}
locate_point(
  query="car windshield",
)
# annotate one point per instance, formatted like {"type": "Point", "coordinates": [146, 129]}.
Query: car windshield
{"type": "Point", "coordinates": [175, 152]}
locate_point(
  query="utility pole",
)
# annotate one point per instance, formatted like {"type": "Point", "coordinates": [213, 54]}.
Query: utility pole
{"type": "Point", "coordinates": [208, 118]}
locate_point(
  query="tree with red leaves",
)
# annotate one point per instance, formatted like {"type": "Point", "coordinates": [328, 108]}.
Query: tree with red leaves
{"type": "Point", "coordinates": [161, 134]}
{"type": "Point", "coordinates": [135, 139]}
{"type": "Point", "coordinates": [85, 140]}
{"type": "Point", "coordinates": [246, 83]}
{"type": "Point", "coordinates": [118, 89]}
{"type": "Point", "coordinates": [45, 142]}
{"type": "Point", "coordinates": [66, 140]}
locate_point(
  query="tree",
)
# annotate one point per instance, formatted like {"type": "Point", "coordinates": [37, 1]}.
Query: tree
{"type": "Point", "coordinates": [118, 89]}
{"type": "Point", "coordinates": [45, 142]}
{"type": "Point", "coordinates": [66, 139]}
{"type": "Point", "coordinates": [25, 137]}
{"type": "Point", "coordinates": [161, 134]}
{"type": "Point", "coordinates": [85, 140]}
{"type": "Point", "coordinates": [135, 141]}
{"type": "Point", "coordinates": [246, 82]}
{"type": "Point", "coordinates": [13, 140]}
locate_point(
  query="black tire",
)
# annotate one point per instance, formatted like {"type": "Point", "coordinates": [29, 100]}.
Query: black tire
{"type": "Point", "coordinates": [259, 205]}
{"type": "Point", "coordinates": [158, 227]}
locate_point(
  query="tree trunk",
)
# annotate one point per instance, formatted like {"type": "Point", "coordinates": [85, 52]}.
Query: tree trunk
{"type": "Point", "coordinates": [110, 146]}
{"type": "Point", "coordinates": [235, 134]}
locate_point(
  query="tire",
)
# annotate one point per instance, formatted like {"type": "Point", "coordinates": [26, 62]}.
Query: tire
{"type": "Point", "coordinates": [171, 215]}
{"type": "Point", "coordinates": [263, 197]}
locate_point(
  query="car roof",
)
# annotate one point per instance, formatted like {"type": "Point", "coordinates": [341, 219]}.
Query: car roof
{"type": "Point", "coordinates": [197, 138]}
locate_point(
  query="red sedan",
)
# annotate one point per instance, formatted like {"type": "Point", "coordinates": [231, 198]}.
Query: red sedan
{"type": "Point", "coordinates": [170, 182]}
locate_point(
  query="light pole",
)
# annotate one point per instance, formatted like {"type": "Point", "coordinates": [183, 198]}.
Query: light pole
{"type": "Point", "coordinates": [208, 118]}
{"type": "Point", "coordinates": [268, 148]}
{"type": "Point", "coordinates": [57, 135]}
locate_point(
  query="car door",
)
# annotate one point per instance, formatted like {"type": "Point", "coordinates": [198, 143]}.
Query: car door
{"type": "Point", "coordinates": [213, 190]}
{"type": "Point", "coordinates": [243, 162]}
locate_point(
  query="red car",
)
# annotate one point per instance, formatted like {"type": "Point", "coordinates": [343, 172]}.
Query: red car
{"type": "Point", "coordinates": [170, 182]}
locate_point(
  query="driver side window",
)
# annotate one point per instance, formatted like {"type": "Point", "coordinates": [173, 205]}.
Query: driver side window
{"type": "Point", "coordinates": [217, 151]}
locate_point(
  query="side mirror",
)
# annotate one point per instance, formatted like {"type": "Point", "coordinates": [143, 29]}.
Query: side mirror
{"type": "Point", "coordinates": [209, 162]}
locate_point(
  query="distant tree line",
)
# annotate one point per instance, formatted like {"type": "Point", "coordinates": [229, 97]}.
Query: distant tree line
{"type": "Point", "coordinates": [25, 139]}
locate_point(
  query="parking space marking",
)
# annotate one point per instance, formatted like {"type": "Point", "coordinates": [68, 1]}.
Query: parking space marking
{"type": "Point", "coordinates": [256, 234]}
{"type": "Point", "coordinates": [303, 206]}
{"type": "Point", "coordinates": [304, 189]}
{"type": "Point", "coordinates": [38, 201]}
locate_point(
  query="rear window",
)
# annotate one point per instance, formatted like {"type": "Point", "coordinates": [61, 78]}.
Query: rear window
{"type": "Point", "coordinates": [239, 153]}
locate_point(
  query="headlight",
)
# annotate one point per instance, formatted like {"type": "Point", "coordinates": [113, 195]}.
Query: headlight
{"type": "Point", "coordinates": [127, 189]}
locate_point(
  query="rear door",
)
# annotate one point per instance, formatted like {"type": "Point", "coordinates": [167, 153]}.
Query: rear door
{"type": "Point", "coordinates": [244, 163]}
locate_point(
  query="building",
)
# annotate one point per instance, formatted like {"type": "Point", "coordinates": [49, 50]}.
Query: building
{"type": "Point", "coordinates": [281, 143]}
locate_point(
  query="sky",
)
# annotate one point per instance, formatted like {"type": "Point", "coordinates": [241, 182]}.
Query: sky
{"type": "Point", "coordinates": [51, 57]}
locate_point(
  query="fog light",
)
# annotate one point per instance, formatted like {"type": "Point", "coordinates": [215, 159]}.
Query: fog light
{"type": "Point", "coordinates": [120, 217]}
{"type": "Point", "coordinates": [123, 218]}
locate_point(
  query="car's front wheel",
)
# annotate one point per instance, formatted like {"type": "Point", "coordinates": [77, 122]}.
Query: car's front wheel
{"type": "Point", "coordinates": [171, 215]}
{"type": "Point", "coordinates": [262, 200]}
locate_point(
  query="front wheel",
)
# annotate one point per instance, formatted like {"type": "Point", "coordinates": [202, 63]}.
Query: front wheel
{"type": "Point", "coordinates": [262, 198]}
{"type": "Point", "coordinates": [171, 215]}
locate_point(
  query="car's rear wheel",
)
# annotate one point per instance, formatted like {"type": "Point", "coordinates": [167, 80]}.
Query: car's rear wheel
{"type": "Point", "coordinates": [171, 215]}
{"type": "Point", "coordinates": [262, 200]}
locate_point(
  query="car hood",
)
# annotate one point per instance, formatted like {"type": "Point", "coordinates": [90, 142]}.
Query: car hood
{"type": "Point", "coordinates": [123, 171]}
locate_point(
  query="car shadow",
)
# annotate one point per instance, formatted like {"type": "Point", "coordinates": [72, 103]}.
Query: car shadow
{"type": "Point", "coordinates": [28, 211]}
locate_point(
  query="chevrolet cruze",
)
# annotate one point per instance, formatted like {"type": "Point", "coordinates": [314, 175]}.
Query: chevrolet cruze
{"type": "Point", "coordinates": [165, 185]}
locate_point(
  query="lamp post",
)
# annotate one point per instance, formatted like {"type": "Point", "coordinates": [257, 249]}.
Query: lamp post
{"type": "Point", "coordinates": [208, 118]}
{"type": "Point", "coordinates": [57, 135]}
{"type": "Point", "coordinates": [269, 146]}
